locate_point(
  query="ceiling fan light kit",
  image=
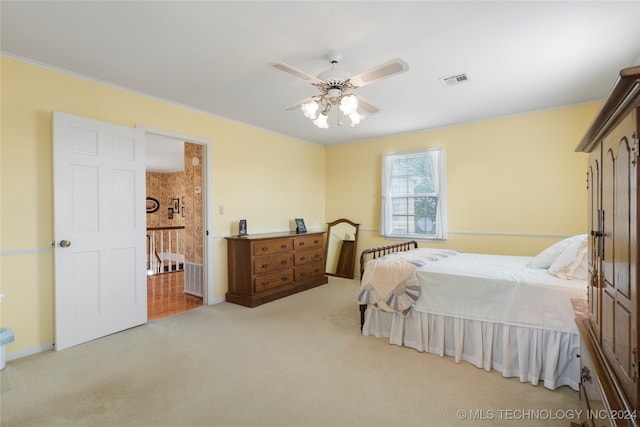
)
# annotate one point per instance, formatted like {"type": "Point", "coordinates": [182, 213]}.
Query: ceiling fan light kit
{"type": "Point", "coordinates": [335, 89]}
{"type": "Point", "coordinates": [348, 103]}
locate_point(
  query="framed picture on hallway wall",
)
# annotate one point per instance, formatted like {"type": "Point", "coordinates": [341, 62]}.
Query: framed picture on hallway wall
{"type": "Point", "coordinates": [152, 205]}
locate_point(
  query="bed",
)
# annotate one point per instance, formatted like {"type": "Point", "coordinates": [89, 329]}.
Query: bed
{"type": "Point", "coordinates": [513, 314]}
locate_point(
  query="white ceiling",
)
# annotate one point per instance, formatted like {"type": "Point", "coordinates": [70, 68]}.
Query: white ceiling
{"type": "Point", "coordinates": [215, 56]}
{"type": "Point", "coordinates": [164, 154]}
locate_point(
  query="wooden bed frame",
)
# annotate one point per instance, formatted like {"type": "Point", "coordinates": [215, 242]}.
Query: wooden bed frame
{"type": "Point", "coordinates": [374, 253]}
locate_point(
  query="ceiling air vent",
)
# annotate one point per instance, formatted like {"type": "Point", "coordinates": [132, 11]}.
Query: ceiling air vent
{"type": "Point", "coordinates": [455, 80]}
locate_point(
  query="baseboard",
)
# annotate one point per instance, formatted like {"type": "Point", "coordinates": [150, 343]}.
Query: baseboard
{"type": "Point", "coordinates": [29, 352]}
{"type": "Point", "coordinates": [48, 347]}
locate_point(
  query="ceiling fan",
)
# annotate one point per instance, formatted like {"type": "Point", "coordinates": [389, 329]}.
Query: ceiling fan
{"type": "Point", "coordinates": [336, 88]}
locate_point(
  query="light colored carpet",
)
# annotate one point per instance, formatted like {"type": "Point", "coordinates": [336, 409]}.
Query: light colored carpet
{"type": "Point", "coordinates": [299, 361]}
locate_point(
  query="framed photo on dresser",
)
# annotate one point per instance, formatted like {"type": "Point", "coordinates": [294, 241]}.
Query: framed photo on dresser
{"type": "Point", "coordinates": [300, 227]}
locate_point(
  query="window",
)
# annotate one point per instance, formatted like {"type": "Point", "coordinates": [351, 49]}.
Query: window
{"type": "Point", "coordinates": [413, 195]}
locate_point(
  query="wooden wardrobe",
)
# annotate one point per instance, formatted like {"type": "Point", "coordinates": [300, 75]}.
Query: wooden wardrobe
{"type": "Point", "coordinates": [610, 328]}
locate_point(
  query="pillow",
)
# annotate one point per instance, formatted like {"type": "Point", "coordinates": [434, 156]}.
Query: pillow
{"type": "Point", "coordinates": [545, 258]}
{"type": "Point", "coordinates": [572, 263]}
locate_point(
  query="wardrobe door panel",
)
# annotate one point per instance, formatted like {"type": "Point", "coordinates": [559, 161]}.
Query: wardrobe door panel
{"type": "Point", "coordinates": [593, 219]}
{"type": "Point", "coordinates": [619, 177]}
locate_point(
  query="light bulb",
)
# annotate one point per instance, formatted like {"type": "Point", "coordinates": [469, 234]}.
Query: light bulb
{"type": "Point", "coordinates": [349, 104]}
{"type": "Point", "coordinates": [321, 121]}
{"type": "Point", "coordinates": [355, 118]}
{"type": "Point", "coordinates": [309, 109]}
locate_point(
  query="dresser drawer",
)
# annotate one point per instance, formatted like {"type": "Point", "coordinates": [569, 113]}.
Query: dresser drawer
{"type": "Point", "coordinates": [273, 280]}
{"type": "Point", "coordinates": [307, 242]}
{"type": "Point", "coordinates": [266, 264]}
{"type": "Point", "coordinates": [267, 247]}
{"type": "Point", "coordinates": [305, 257]}
{"type": "Point", "coordinates": [309, 271]}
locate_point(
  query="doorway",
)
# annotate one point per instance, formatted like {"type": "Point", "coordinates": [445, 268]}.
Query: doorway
{"type": "Point", "coordinates": [166, 295]}
{"type": "Point", "coordinates": [176, 225]}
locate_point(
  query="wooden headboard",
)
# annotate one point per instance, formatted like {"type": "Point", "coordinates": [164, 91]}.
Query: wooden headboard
{"type": "Point", "coordinates": [378, 252]}
{"type": "Point", "coordinates": [384, 250]}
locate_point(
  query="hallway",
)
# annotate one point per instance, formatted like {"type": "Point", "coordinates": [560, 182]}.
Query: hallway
{"type": "Point", "coordinates": [165, 295]}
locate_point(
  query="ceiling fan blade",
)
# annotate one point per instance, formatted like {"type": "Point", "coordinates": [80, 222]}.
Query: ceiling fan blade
{"type": "Point", "coordinates": [295, 72]}
{"type": "Point", "coordinates": [388, 69]}
{"type": "Point", "coordinates": [298, 104]}
{"type": "Point", "coordinates": [367, 106]}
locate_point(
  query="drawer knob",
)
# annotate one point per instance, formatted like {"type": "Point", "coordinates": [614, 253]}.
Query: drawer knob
{"type": "Point", "coordinates": [283, 246]}
{"type": "Point", "coordinates": [284, 278]}
{"type": "Point", "coordinates": [585, 375]}
{"type": "Point", "coordinates": [265, 265]}
{"type": "Point", "coordinates": [283, 262]}
{"type": "Point", "coordinates": [264, 248]}
{"type": "Point", "coordinates": [302, 258]}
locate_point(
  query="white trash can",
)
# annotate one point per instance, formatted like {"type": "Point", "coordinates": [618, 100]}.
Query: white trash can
{"type": "Point", "coordinates": [6, 337]}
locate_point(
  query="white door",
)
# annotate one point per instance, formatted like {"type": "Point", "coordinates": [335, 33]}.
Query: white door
{"type": "Point", "coordinates": [100, 229]}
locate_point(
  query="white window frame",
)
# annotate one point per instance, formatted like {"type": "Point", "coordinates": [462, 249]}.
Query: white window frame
{"type": "Point", "coordinates": [439, 171]}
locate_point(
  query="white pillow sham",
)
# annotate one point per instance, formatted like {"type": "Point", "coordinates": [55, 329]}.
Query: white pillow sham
{"type": "Point", "coordinates": [572, 263]}
{"type": "Point", "coordinates": [545, 258]}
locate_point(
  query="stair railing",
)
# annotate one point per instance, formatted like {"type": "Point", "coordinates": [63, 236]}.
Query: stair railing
{"type": "Point", "coordinates": [165, 249]}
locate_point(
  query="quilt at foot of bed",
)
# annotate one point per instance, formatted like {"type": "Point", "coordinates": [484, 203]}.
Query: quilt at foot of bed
{"type": "Point", "coordinates": [531, 354]}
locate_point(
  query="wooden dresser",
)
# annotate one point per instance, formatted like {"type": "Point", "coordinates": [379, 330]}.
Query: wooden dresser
{"type": "Point", "coordinates": [267, 267]}
{"type": "Point", "coordinates": [610, 327]}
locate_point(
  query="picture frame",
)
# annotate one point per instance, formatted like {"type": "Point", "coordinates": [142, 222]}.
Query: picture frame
{"type": "Point", "coordinates": [152, 205]}
{"type": "Point", "coordinates": [170, 213]}
{"type": "Point", "coordinates": [176, 204]}
{"type": "Point", "coordinates": [300, 227]}
{"type": "Point", "coordinates": [242, 227]}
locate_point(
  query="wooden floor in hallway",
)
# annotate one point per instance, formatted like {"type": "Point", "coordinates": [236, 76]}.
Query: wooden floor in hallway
{"type": "Point", "coordinates": [165, 295]}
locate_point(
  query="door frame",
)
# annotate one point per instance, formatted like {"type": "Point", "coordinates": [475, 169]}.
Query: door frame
{"type": "Point", "coordinates": [207, 191]}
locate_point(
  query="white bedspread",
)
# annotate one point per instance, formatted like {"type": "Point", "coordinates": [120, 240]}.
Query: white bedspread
{"type": "Point", "coordinates": [498, 288]}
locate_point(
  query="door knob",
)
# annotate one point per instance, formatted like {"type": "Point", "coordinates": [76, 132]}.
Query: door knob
{"type": "Point", "coordinates": [65, 243]}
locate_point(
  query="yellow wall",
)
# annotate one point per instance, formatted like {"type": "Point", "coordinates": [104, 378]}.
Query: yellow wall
{"type": "Point", "coordinates": [514, 183]}
{"type": "Point", "coordinates": [254, 172]}
{"type": "Point", "coordinates": [511, 176]}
